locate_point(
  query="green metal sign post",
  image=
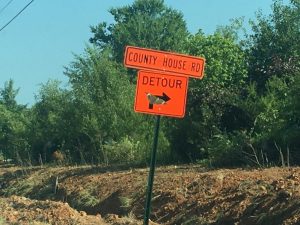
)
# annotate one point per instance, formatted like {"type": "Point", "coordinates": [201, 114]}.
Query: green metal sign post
{"type": "Point", "coordinates": [151, 172]}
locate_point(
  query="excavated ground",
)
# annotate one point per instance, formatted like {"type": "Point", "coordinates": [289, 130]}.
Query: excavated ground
{"type": "Point", "coordinates": [187, 195]}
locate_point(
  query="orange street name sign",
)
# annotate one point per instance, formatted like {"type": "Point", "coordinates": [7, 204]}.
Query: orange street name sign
{"type": "Point", "coordinates": [142, 58]}
{"type": "Point", "coordinates": [161, 94]}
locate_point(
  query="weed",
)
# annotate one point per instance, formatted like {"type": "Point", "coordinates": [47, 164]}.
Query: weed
{"type": "Point", "coordinates": [2, 221]}
{"type": "Point", "coordinates": [86, 199]}
{"type": "Point", "coordinates": [195, 221]}
{"type": "Point", "coordinates": [125, 202]}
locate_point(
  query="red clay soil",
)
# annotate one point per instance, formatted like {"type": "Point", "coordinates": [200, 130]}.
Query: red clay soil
{"type": "Point", "coordinates": [20, 210]}
{"type": "Point", "coordinates": [186, 195]}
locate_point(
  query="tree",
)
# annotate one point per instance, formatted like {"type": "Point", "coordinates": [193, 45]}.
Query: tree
{"type": "Point", "coordinates": [273, 63]}
{"type": "Point", "coordinates": [50, 121]}
{"type": "Point", "coordinates": [275, 44]}
{"type": "Point", "coordinates": [8, 95]}
{"type": "Point", "coordinates": [291, 131]}
{"type": "Point", "coordinates": [13, 125]}
{"type": "Point", "coordinates": [209, 99]}
{"type": "Point", "coordinates": [145, 23]}
{"type": "Point", "coordinates": [102, 103]}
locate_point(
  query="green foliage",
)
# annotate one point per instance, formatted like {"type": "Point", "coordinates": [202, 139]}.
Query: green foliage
{"type": "Point", "coordinates": [126, 202]}
{"type": "Point", "coordinates": [233, 30]}
{"type": "Point", "coordinates": [291, 130]}
{"type": "Point", "coordinates": [268, 112]}
{"type": "Point", "coordinates": [245, 111]}
{"type": "Point", "coordinates": [145, 23]}
{"type": "Point", "coordinates": [208, 99]}
{"type": "Point", "coordinates": [258, 142]}
{"type": "Point", "coordinates": [226, 150]}
{"type": "Point", "coordinates": [1, 157]}
{"type": "Point", "coordinates": [99, 87]}
{"type": "Point", "coordinates": [49, 127]}
{"type": "Point", "coordinates": [233, 125]}
{"type": "Point", "coordinates": [102, 106]}
{"type": "Point", "coordinates": [2, 221]}
{"type": "Point", "coordinates": [8, 95]}
{"type": "Point", "coordinates": [225, 59]}
{"type": "Point", "coordinates": [275, 44]}
{"type": "Point", "coordinates": [294, 100]}
{"type": "Point", "coordinates": [13, 123]}
{"type": "Point", "coordinates": [124, 151]}
{"type": "Point", "coordinates": [86, 199]}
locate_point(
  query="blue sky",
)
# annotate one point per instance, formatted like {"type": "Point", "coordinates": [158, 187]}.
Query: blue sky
{"type": "Point", "coordinates": [42, 40]}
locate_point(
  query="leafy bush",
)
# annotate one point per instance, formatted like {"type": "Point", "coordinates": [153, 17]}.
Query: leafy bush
{"type": "Point", "coordinates": [126, 150]}
{"type": "Point", "coordinates": [226, 150]}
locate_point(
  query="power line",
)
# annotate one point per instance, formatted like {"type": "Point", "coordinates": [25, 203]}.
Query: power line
{"type": "Point", "coordinates": [4, 7]}
{"type": "Point", "coordinates": [16, 16]}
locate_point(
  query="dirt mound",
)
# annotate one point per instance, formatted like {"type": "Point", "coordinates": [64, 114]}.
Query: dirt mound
{"type": "Point", "coordinates": [20, 210]}
{"type": "Point", "coordinates": [187, 195]}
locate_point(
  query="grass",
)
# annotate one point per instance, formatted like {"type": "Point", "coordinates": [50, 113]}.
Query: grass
{"type": "Point", "coordinates": [195, 220]}
{"type": "Point", "coordinates": [84, 199]}
{"type": "Point", "coordinates": [2, 221]}
{"type": "Point", "coordinates": [125, 202]}
{"type": "Point", "coordinates": [87, 199]}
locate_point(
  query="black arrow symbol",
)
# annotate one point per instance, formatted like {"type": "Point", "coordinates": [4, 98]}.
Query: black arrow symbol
{"type": "Point", "coordinates": [157, 99]}
{"type": "Point", "coordinates": [164, 97]}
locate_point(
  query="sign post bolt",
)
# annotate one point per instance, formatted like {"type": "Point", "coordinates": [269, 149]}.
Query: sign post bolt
{"type": "Point", "coordinates": [151, 172]}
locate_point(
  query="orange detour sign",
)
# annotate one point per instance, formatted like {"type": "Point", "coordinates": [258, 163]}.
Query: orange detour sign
{"type": "Point", "coordinates": [184, 65]}
{"type": "Point", "coordinates": [161, 94]}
